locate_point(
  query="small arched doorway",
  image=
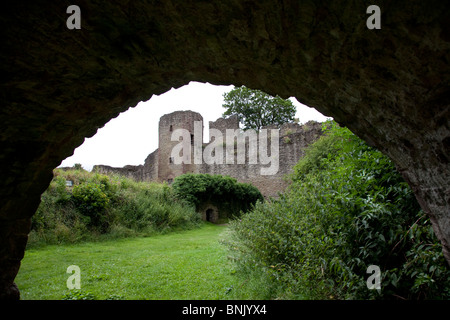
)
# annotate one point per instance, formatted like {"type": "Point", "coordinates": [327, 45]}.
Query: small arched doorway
{"type": "Point", "coordinates": [209, 213]}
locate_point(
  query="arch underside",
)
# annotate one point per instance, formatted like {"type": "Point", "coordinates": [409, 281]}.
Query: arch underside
{"type": "Point", "coordinates": [391, 86]}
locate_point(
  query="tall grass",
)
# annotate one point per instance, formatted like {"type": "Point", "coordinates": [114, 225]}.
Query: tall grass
{"type": "Point", "coordinates": [97, 206]}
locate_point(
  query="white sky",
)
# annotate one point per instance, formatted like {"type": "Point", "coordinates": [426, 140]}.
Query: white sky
{"type": "Point", "coordinates": [133, 135]}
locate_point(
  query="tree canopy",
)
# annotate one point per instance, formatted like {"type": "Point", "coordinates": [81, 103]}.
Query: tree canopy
{"type": "Point", "coordinates": [256, 109]}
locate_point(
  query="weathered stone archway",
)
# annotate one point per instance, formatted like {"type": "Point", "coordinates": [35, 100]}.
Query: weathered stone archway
{"type": "Point", "coordinates": [389, 86]}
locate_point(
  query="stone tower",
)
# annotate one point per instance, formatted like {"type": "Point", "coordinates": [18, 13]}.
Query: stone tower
{"type": "Point", "coordinates": [167, 168]}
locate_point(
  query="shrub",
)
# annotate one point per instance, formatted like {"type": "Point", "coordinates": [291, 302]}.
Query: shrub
{"type": "Point", "coordinates": [113, 207]}
{"type": "Point", "coordinates": [91, 200]}
{"type": "Point", "coordinates": [347, 208]}
{"type": "Point", "coordinates": [225, 191]}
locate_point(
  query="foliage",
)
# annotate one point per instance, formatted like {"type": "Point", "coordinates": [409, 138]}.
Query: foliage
{"type": "Point", "coordinates": [347, 208]}
{"type": "Point", "coordinates": [92, 201]}
{"type": "Point", "coordinates": [225, 191]}
{"type": "Point", "coordinates": [108, 206]}
{"type": "Point", "coordinates": [256, 109]}
{"type": "Point", "coordinates": [78, 166]}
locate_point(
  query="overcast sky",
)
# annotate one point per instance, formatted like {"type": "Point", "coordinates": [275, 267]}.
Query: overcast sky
{"type": "Point", "coordinates": [133, 135]}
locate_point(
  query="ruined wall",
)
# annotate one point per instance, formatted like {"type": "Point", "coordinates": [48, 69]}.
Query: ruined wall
{"type": "Point", "coordinates": [150, 168]}
{"type": "Point", "coordinates": [146, 172]}
{"type": "Point", "coordinates": [168, 123]}
{"type": "Point", "coordinates": [129, 171]}
{"type": "Point", "coordinates": [222, 124]}
{"type": "Point", "coordinates": [292, 141]}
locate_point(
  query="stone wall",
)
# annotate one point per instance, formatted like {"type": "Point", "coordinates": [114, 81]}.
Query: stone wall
{"type": "Point", "coordinates": [129, 171]}
{"type": "Point", "coordinates": [168, 124]}
{"type": "Point", "coordinates": [391, 86]}
{"type": "Point", "coordinates": [292, 141]}
{"type": "Point", "coordinates": [222, 124]}
{"type": "Point", "coordinates": [150, 169]}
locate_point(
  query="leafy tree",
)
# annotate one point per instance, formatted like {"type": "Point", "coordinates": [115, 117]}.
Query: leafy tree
{"type": "Point", "coordinates": [256, 109]}
{"type": "Point", "coordinates": [78, 166]}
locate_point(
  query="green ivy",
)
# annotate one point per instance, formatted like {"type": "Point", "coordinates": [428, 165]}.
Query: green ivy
{"type": "Point", "coordinates": [223, 190]}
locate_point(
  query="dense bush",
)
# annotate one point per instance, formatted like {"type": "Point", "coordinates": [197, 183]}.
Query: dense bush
{"type": "Point", "coordinates": [92, 202]}
{"type": "Point", "coordinates": [224, 191]}
{"type": "Point", "coordinates": [347, 208]}
{"type": "Point", "coordinates": [98, 205]}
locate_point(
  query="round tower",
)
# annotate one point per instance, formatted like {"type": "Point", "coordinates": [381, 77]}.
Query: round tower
{"type": "Point", "coordinates": [168, 169]}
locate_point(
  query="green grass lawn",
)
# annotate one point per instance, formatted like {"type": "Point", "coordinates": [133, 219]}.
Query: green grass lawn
{"type": "Point", "coordinates": [185, 265]}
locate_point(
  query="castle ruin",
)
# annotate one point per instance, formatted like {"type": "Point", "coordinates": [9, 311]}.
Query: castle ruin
{"type": "Point", "coordinates": [159, 166]}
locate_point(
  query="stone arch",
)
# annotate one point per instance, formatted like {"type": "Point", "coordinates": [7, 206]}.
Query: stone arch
{"type": "Point", "coordinates": [170, 179]}
{"type": "Point", "coordinates": [389, 86]}
{"type": "Point", "coordinates": [210, 214]}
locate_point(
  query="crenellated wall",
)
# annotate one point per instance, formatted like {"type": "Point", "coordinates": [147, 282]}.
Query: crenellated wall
{"type": "Point", "coordinates": [292, 141]}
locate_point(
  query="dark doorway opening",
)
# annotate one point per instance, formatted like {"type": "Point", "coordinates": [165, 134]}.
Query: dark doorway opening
{"type": "Point", "coordinates": [209, 215]}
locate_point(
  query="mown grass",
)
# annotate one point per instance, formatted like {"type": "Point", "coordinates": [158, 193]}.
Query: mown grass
{"type": "Point", "coordinates": [184, 265]}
